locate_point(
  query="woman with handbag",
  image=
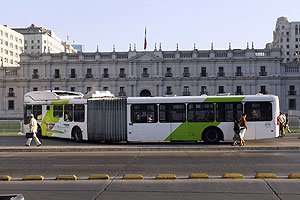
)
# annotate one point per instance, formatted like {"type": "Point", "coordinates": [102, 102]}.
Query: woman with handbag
{"type": "Point", "coordinates": [33, 129]}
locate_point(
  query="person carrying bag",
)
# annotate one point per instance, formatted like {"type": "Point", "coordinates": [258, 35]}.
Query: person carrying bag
{"type": "Point", "coordinates": [32, 133]}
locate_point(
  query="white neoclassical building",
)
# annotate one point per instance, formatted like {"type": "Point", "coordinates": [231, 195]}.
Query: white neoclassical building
{"type": "Point", "coordinates": [153, 73]}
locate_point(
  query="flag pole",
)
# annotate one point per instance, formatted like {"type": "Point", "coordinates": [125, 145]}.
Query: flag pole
{"type": "Point", "coordinates": [145, 42]}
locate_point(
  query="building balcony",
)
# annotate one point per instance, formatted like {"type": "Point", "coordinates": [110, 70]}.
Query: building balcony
{"type": "Point", "coordinates": [169, 93]}
{"type": "Point", "coordinates": [73, 76]}
{"type": "Point", "coordinates": [203, 93]}
{"type": "Point", "coordinates": [238, 73]}
{"type": "Point", "coordinates": [89, 76]}
{"type": "Point", "coordinates": [11, 94]}
{"type": "Point", "coordinates": [169, 74]}
{"type": "Point", "coordinates": [35, 76]}
{"type": "Point", "coordinates": [145, 75]}
{"type": "Point", "coordinates": [292, 92]}
{"type": "Point", "coordinates": [56, 76]}
{"type": "Point", "coordinates": [203, 74]}
{"type": "Point", "coordinates": [105, 75]}
{"type": "Point", "coordinates": [186, 93]}
{"type": "Point", "coordinates": [239, 93]}
{"type": "Point", "coordinates": [186, 74]}
{"type": "Point", "coordinates": [262, 73]}
{"type": "Point", "coordinates": [221, 74]}
{"type": "Point", "coordinates": [122, 94]}
{"type": "Point", "coordinates": [122, 75]}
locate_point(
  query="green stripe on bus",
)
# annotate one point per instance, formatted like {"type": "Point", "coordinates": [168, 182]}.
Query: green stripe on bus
{"type": "Point", "coordinates": [190, 131]}
{"type": "Point", "coordinates": [59, 102]}
{"type": "Point", "coordinates": [224, 99]}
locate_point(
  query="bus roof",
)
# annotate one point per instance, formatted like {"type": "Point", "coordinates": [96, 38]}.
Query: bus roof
{"type": "Point", "coordinates": [202, 98]}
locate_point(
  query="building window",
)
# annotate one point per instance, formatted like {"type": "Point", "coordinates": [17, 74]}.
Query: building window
{"type": "Point", "coordinates": [169, 72]}
{"type": "Point", "coordinates": [221, 71]}
{"type": "Point", "coordinates": [287, 40]}
{"type": "Point", "coordinates": [292, 104]}
{"type": "Point", "coordinates": [292, 90]}
{"type": "Point", "coordinates": [73, 73]}
{"type": "Point", "coordinates": [169, 90]}
{"type": "Point", "coordinates": [11, 104]}
{"type": "Point", "coordinates": [73, 89]}
{"type": "Point", "coordinates": [287, 46]}
{"type": "Point", "coordinates": [35, 89]}
{"type": "Point", "coordinates": [203, 90]}
{"type": "Point", "coordinates": [89, 73]}
{"type": "Point", "coordinates": [145, 72]}
{"type": "Point", "coordinates": [122, 92]}
{"type": "Point", "coordinates": [186, 91]}
{"type": "Point", "coordinates": [238, 90]}
{"type": "Point", "coordinates": [221, 89]}
{"type": "Point", "coordinates": [186, 72]}
{"type": "Point", "coordinates": [263, 71]}
{"type": "Point", "coordinates": [287, 33]}
{"type": "Point", "coordinates": [25, 41]}
{"type": "Point", "coordinates": [239, 71]}
{"type": "Point", "coordinates": [122, 73]}
{"type": "Point", "coordinates": [11, 92]}
{"type": "Point", "coordinates": [287, 53]}
{"type": "Point", "coordinates": [32, 47]}
{"type": "Point", "coordinates": [56, 74]}
{"type": "Point", "coordinates": [32, 41]}
{"type": "Point", "coordinates": [105, 88]}
{"type": "Point", "coordinates": [296, 39]}
{"type": "Point", "coordinates": [38, 41]}
{"type": "Point", "coordinates": [35, 74]}
{"type": "Point", "coordinates": [105, 73]}
{"type": "Point", "coordinates": [263, 89]}
{"type": "Point", "coordinates": [56, 88]}
{"type": "Point", "coordinates": [203, 72]}
{"type": "Point", "coordinates": [88, 89]}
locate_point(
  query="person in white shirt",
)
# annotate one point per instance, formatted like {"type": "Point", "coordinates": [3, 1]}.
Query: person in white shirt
{"type": "Point", "coordinates": [33, 129]}
{"type": "Point", "coordinates": [282, 121]}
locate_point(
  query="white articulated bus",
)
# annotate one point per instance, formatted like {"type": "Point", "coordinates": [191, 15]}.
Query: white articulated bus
{"type": "Point", "coordinates": [99, 116]}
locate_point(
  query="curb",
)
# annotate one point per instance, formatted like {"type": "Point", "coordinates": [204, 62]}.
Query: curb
{"type": "Point", "coordinates": [99, 177]}
{"type": "Point", "coordinates": [198, 176]}
{"type": "Point", "coordinates": [133, 177]}
{"type": "Point", "coordinates": [266, 176]}
{"type": "Point", "coordinates": [66, 178]}
{"type": "Point", "coordinates": [232, 176]}
{"type": "Point", "coordinates": [244, 148]}
{"type": "Point", "coordinates": [5, 178]}
{"type": "Point", "coordinates": [33, 178]}
{"type": "Point", "coordinates": [165, 176]}
{"type": "Point", "coordinates": [294, 176]}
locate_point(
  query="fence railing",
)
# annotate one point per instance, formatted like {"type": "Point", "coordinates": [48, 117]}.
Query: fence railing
{"type": "Point", "coordinates": [294, 123]}
{"type": "Point", "coordinates": [11, 126]}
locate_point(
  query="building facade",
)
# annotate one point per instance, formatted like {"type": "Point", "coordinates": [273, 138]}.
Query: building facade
{"type": "Point", "coordinates": [153, 73]}
{"type": "Point", "coordinates": [41, 40]}
{"type": "Point", "coordinates": [286, 36]}
{"type": "Point", "coordinates": [11, 46]}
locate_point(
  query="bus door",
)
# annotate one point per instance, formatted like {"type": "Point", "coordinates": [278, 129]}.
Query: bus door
{"type": "Point", "coordinates": [143, 123]}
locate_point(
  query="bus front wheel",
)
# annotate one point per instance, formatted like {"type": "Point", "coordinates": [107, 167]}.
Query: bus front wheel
{"type": "Point", "coordinates": [77, 134]}
{"type": "Point", "coordinates": [211, 136]}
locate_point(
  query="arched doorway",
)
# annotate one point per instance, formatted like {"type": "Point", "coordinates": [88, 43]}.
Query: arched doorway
{"type": "Point", "coordinates": [145, 93]}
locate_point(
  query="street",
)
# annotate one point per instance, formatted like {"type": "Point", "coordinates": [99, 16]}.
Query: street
{"type": "Point", "coordinates": [149, 164]}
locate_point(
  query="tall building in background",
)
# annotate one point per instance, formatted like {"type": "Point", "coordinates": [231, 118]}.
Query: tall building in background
{"type": "Point", "coordinates": [41, 40]}
{"type": "Point", "coordinates": [11, 46]}
{"type": "Point", "coordinates": [286, 36]}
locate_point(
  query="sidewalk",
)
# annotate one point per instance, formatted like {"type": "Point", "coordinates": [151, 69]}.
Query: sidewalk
{"type": "Point", "coordinates": [17, 144]}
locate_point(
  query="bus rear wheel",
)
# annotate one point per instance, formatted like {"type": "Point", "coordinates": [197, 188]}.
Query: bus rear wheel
{"type": "Point", "coordinates": [77, 134]}
{"type": "Point", "coordinates": [211, 136]}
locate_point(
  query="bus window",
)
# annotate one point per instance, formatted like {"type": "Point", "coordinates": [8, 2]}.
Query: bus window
{"type": "Point", "coordinates": [79, 112]}
{"type": "Point", "coordinates": [227, 112]}
{"type": "Point", "coordinates": [68, 115]}
{"type": "Point", "coordinates": [27, 112]}
{"type": "Point", "coordinates": [258, 111]}
{"type": "Point", "coordinates": [200, 112]}
{"type": "Point", "coordinates": [144, 113]}
{"type": "Point", "coordinates": [57, 111]}
{"type": "Point", "coordinates": [169, 112]}
{"type": "Point", "coordinates": [37, 112]}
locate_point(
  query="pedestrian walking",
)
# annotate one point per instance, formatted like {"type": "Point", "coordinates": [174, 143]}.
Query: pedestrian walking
{"type": "Point", "coordinates": [237, 129]}
{"type": "Point", "coordinates": [287, 127]}
{"type": "Point", "coordinates": [243, 128]}
{"type": "Point", "coordinates": [33, 129]}
{"type": "Point", "coordinates": [282, 121]}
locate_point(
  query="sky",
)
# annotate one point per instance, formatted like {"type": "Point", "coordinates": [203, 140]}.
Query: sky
{"type": "Point", "coordinates": [120, 22]}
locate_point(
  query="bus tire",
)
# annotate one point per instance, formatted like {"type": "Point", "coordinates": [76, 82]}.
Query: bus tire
{"type": "Point", "coordinates": [77, 134]}
{"type": "Point", "coordinates": [212, 135]}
